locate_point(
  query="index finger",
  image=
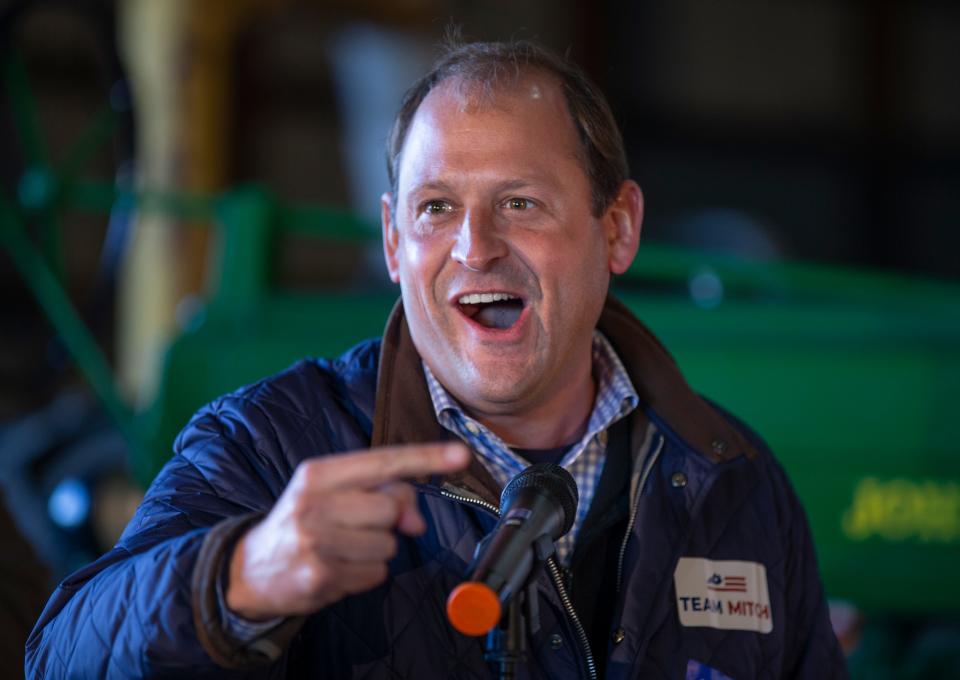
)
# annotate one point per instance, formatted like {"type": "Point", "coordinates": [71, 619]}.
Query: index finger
{"type": "Point", "coordinates": [372, 468]}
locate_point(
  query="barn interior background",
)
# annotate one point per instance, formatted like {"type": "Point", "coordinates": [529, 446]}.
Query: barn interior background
{"type": "Point", "coordinates": [190, 201]}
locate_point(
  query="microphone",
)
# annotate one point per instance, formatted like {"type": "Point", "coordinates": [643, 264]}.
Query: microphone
{"type": "Point", "coordinates": [537, 507]}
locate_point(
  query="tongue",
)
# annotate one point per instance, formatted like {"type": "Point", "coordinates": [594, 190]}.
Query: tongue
{"type": "Point", "coordinates": [500, 315]}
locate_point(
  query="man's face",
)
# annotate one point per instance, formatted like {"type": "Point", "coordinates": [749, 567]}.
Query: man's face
{"type": "Point", "coordinates": [502, 267]}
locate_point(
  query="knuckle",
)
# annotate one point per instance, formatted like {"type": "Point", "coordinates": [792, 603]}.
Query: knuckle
{"type": "Point", "coordinates": [379, 573]}
{"type": "Point", "coordinates": [314, 472]}
{"type": "Point", "coordinates": [380, 506]}
{"type": "Point", "coordinates": [314, 577]}
{"type": "Point", "coordinates": [303, 472]}
{"type": "Point", "coordinates": [407, 494]}
{"type": "Point", "coordinates": [304, 542]}
{"type": "Point", "coordinates": [390, 547]}
{"type": "Point", "coordinates": [373, 575]}
{"type": "Point", "coordinates": [392, 509]}
{"type": "Point", "coordinates": [311, 542]}
{"type": "Point", "coordinates": [298, 489]}
{"type": "Point", "coordinates": [300, 507]}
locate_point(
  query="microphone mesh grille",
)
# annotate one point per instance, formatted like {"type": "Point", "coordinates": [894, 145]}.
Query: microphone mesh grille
{"type": "Point", "coordinates": [552, 479]}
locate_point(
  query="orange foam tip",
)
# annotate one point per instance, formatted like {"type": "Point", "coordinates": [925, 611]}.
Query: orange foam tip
{"type": "Point", "coordinates": [473, 608]}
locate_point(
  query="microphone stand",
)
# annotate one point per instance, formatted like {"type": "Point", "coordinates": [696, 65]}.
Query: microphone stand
{"type": "Point", "coordinates": [507, 643]}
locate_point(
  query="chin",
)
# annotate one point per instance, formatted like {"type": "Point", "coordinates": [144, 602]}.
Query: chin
{"type": "Point", "coordinates": [500, 392]}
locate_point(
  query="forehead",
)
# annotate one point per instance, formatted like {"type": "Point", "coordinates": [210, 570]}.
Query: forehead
{"type": "Point", "coordinates": [525, 122]}
{"type": "Point", "coordinates": [529, 86]}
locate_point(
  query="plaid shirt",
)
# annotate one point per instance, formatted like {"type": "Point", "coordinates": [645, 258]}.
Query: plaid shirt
{"type": "Point", "coordinates": [584, 460]}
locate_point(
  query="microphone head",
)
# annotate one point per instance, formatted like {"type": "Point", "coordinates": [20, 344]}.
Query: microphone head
{"type": "Point", "coordinates": [553, 481]}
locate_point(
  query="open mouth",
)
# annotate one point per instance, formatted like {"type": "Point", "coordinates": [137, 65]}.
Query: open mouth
{"type": "Point", "coordinates": [492, 310]}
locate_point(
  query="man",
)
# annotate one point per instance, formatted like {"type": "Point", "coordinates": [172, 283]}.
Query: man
{"type": "Point", "coordinates": [257, 552]}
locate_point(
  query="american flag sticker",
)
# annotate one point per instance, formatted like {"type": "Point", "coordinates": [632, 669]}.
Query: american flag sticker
{"type": "Point", "coordinates": [727, 584]}
{"type": "Point", "coordinates": [727, 594]}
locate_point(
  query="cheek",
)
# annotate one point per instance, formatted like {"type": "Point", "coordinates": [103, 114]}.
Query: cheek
{"type": "Point", "coordinates": [414, 254]}
{"type": "Point", "coordinates": [412, 260]}
{"type": "Point", "coordinates": [582, 279]}
{"type": "Point", "coordinates": [420, 250]}
{"type": "Point", "coordinates": [420, 264]}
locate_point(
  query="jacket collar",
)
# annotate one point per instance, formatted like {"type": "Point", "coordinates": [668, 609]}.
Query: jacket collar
{"type": "Point", "coordinates": [403, 411]}
{"type": "Point", "coordinates": [664, 391]}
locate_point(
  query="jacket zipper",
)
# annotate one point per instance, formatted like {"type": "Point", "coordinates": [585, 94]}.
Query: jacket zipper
{"type": "Point", "coordinates": [633, 512]}
{"type": "Point", "coordinates": [557, 578]}
{"type": "Point", "coordinates": [554, 570]}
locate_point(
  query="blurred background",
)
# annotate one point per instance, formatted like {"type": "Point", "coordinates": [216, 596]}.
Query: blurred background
{"type": "Point", "coordinates": [190, 201]}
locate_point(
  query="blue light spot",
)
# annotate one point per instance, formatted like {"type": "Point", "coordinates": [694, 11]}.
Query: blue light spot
{"type": "Point", "coordinates": [36, 189]}
{"type": "Point", "coordinates": [69, 504]}
{"type": "Point", "coordinates": [706, 289]}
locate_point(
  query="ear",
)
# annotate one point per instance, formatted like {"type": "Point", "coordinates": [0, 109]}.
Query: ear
{"type": "Point", "coordinates": [390, 237]}
{"type": "Point", "coordinates": [621, 223]}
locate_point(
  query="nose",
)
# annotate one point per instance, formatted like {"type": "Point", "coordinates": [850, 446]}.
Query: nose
{"type": "Point", "coordinates": [478, 244]}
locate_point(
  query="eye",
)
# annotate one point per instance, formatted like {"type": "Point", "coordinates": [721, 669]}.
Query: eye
{"type": "Point", "coordinates": [436, 207]}
{"type": "Point", "coordinates": [517, 203]}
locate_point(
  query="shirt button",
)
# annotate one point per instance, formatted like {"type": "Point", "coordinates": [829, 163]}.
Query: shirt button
{"type": "Point", "coordinates": [556, 642]}
{"type": "Point", "coordinates": [619, 636]}
{"type": "Point", "coordinates": [719, 446]}
{"type": "Point", "coordinates": [472, 427]}
{"type": "Point", "coordinates": [678, 480]}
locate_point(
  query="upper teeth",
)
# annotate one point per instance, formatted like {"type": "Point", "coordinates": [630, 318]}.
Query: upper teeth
{"type": "Point", "coordinates": [478, 298]}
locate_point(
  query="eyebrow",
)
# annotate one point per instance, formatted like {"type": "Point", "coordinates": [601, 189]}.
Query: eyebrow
{"type": "Point", "coordinates": [516, 184]}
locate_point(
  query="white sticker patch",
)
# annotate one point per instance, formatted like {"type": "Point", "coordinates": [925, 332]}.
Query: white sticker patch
{"type": "Point", "coordinates": [728, 594]}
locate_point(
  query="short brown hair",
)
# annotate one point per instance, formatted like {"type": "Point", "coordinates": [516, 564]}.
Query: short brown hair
{"type": "Point", "coordinates": [494, 65]}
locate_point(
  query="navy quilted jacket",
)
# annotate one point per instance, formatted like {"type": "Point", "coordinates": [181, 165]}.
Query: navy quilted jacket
{"type": "Point", "coordinates": [704, 492]}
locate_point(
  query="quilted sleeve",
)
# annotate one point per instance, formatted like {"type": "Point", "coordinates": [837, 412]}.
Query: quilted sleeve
{"type": "Point", "coordinates": [129, 613]}
{"type": "Point", "coordinates": [812, 650]}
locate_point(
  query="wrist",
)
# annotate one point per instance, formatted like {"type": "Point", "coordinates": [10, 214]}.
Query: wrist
{"type": "Point", "coordinates": [239, 597]}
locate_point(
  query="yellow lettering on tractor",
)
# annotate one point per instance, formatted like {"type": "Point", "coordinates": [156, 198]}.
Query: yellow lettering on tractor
{"type": "Point", "coordinates": [904, 509]}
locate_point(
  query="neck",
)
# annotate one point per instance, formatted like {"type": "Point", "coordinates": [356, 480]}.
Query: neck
{"type": "Point", "coordinates": [555, 422]}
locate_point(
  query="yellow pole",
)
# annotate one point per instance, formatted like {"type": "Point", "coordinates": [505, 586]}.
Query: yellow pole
{"type": "Point", "coordinates": [179, 55]}
{"type": "Point", "coordinates": [149, 33]}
